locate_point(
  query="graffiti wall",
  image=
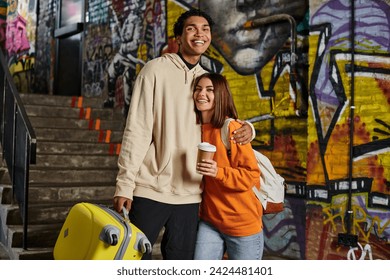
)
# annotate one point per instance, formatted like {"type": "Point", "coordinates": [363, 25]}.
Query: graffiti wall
{"type": "Point", "coordinates": [320, 104]}
{"type": "Point", "coordinates": [266, 65]}
{"type": "Point", "coordinates": [121, 36]}
{"type": "Point", "coordinates": [45, 48]}
{"type": "Point", "coordinates": [348, 177]}
{"type": "Point", "coordinates": [19, 20]}
{"type": "Point", "coordinates": [290, 71]}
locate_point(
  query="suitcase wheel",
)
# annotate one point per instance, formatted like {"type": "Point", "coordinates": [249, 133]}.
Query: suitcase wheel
{"type": "Point", "coordinates": [144, 246]}
{"type": "Point", "coordinates": [110, 235]}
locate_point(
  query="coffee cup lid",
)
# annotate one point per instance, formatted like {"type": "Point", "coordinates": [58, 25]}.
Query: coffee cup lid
{"type": "Point", "coordinates": [205, 146]}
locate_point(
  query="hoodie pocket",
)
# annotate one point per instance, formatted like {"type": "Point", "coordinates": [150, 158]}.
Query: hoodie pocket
{"type": "Point", "coordinates": [175, 173]}
{"type": "Point", "coordinates": [181, 174]}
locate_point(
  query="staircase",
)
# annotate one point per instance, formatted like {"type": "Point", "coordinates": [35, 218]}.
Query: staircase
{"type": "Point", "coordinates": [76, 160]}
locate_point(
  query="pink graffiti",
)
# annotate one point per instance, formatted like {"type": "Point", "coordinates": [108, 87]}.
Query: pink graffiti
{"type": "Point", "coordinates": [16, 36]}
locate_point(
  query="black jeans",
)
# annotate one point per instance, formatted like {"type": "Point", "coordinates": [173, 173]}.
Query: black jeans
{"type": "Point", "coordinates": [180, 222]}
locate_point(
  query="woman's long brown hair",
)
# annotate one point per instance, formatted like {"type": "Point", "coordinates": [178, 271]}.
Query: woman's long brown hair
{"type": "Point", "coordinates": [224, 104]}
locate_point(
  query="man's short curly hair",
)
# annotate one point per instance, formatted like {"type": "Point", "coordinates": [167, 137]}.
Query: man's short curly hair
{"type": "Point", "coordinates": [179, 24]}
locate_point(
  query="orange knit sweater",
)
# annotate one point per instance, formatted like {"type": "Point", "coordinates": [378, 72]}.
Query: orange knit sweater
{"type": "Point", "coordinates": [228, 202]}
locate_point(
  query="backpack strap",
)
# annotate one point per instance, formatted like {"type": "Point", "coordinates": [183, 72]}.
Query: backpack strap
{"type": "Point", "coordinates": [225, 133]}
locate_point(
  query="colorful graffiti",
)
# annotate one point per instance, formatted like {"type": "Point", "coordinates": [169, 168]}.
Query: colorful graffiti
{"type": "Point", "coordinates": [45, 55]}
{"type": "Point", "coordinates": [135, 34]}
{"type": "Point", "coordinates": [97, 53]}
{"type": "Point", "coordinates": [18, 23]}
{"type": "Point", "coordinates": [125, 61]}
{"type": "Point", "coordinates": [332, 157]}
{"type": "Point", "coordinates": [16, 36]}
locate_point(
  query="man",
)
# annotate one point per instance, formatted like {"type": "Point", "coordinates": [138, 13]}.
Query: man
{"type": "Point", "coordinates": [157, 179]}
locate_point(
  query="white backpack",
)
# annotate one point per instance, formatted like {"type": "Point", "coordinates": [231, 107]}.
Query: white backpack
{"type": "Point", "coordinates": [272, 187]}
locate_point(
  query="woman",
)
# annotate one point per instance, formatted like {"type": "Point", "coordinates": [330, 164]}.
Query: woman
{"type": "Point", "coordinates": [230, 215]}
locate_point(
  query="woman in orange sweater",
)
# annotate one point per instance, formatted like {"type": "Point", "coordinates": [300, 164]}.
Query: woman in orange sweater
{"type": "Point", "coordinates": [230, 214]}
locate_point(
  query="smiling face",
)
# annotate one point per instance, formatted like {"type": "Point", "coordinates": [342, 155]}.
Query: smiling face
{"type": "Point", "coordinates": [195, 39]}
{"type": "Point", "coordinates": [248, 50]}
{"type": "Point", "coordinates": [204, 98]}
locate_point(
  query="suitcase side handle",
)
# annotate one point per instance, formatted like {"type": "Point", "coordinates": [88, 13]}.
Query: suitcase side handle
{"type": "Point", "coordinates": [125, 213]}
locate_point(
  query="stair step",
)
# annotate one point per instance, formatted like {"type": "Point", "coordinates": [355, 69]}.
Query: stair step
{"type": "Point", "coordinates": [10, 215]}
{"type": "Point", "coordinates": [79, 148]}
{"type": "Point", "coordinates": [46, 214]}
{"type": "Point", "coordinates": [60, 100]}
{"type": "Point", "coordinates": [52, 111]}
{"type": "Point", "coordinates": [41, 214]}
{"type": "Point", "coordinates": [78, 135]}
{"type": "Point", "coordinates": [72, 176]}
{"type": "Point", "coordinates": [4, 255]}
{"type": "Point", "coordinates": [5, 194]}
{"type": "Point", "coordinates": [60, 122]}
{"type": "Point", "coordinates": [31, 254]}
{"type": "Point", "coordinates": [37, 235]}
{"type": "Point", "coordinates": [69, 112]}
{"type": "Point", "coordinates": [70, 193]}
{"type": "Point", "coordinates": [5, 178]}
{"type": "Point", "coordinates": [74, 161]}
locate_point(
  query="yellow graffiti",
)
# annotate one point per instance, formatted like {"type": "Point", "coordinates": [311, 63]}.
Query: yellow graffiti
{"type": "Point", "coordinates": [277, 111]}
{"type": "Point", "coordinates": [379, 230]}
{"type": "Point", "coordinates": [24, 63]}
{"type": "Point", "coordinates": [371, 78]}
{"type": "Point", "coordinates": [336, 212]}
{"type": "Point", "coordinates": [328, 212]}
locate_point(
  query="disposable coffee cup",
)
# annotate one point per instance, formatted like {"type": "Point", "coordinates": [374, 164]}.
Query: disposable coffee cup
{"type": "Point", "coordinates": [205, 151]}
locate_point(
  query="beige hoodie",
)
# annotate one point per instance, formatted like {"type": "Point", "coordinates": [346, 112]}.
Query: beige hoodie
{"type": "Point", "coordinates": [159, 146]}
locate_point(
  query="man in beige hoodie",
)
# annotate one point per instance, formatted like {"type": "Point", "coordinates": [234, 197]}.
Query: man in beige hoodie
{"type": "Point", "coordinates": [157, 179]}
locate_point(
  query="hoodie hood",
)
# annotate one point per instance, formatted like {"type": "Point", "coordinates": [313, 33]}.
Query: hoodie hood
{"type": "Point", "coordinates": [175, 58]}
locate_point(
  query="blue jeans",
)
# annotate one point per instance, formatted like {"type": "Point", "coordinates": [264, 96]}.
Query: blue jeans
{"type": "Point", "coordinates": [211, 245]}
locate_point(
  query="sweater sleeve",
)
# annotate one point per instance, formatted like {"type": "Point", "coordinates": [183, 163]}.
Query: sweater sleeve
{"type": "Point", "coordinates": [243, 172]}
{"type": "Point", "coordinates": [137, 135]}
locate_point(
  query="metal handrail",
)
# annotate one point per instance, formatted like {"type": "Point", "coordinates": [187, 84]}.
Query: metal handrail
{"type": "Point", "coordinates": [18, 141]}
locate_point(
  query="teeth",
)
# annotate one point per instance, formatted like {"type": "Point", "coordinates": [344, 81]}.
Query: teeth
{"type": "Point", "coordinates": [202, 101]}
{"type": "Point", "coordinates": [199, 42]}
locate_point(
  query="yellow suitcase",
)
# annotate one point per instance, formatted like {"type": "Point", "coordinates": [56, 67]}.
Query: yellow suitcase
{"type": "Point", "coordinates": [96, 232]}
